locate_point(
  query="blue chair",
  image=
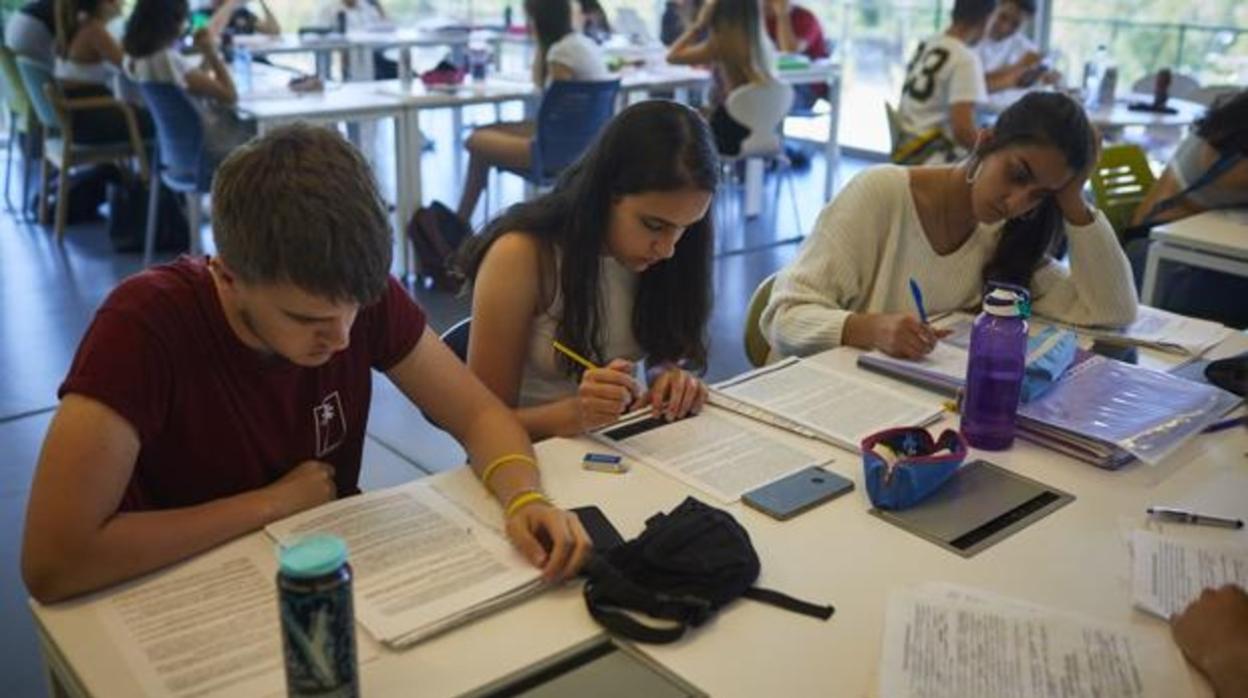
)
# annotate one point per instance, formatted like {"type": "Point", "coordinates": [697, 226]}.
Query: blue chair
{"type": "Point", "coordinates": [568, 120]}
{"type": "Point", "coordinates": [180, 157]}
{"type": "Point", "coordinates": [54, 112]}
{"type": "Point", "coordinates": [21, 120]}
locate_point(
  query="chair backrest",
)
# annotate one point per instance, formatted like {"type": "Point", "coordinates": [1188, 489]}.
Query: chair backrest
{"type": "Point", "coordinates": [179, 131]}
{"type": "Point", "coordinates": [1181, 86]}
{"type": "Point", "coordinates": [1120, 181]}
{"type": "Point", "coordinates": [1210, 94]}
{"type": "Point", "coordinates": [457, 338]}
{"type": "Point", "coordinates": [37, 76]}
{"type": "Point", "coordinates": [761, 107]}
{"type": "Point", "coordinates": [756, 346]}
{"type": "Point", "coordinates": [894, 126]}
{"type": "Point", "coordinates": [12, 89]}
{"type": "Point", "coordinates": [568, 120]}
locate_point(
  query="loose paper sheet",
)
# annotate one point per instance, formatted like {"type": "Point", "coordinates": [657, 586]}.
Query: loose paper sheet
{"type": "Point", "coordinates": [1169, 573]}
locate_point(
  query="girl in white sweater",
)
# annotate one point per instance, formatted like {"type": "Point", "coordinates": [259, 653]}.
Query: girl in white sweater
{"type": "Point", "coordinates": [994, 217]}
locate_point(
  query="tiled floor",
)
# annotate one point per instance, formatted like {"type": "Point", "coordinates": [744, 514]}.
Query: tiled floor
{"type": "Point", "coordinates": [49, 292]}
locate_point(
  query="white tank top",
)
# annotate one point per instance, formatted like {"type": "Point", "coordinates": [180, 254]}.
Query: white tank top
{"type": "Point", "coordinates": [544, 380]}
{"type": "Point", "coordinates": [100, 73]}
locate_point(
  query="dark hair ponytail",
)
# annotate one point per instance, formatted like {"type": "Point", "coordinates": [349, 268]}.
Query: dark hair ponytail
{"type": "Point", "coordinates": [1225, 125]}
{"type": "Point", "coordinates": [1048, 119]}
{"type": "Point", "coordinates": [652, 146]}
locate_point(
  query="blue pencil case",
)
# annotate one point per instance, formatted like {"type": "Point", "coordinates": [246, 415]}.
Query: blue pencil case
{"type": "Point", "coordinates": [904, 466]}
{"type": "Point", "coordinates": [1049, 354]}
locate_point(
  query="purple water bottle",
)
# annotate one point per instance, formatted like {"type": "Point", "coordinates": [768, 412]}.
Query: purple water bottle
{"type": "Point", "coordinates": [994, 374]}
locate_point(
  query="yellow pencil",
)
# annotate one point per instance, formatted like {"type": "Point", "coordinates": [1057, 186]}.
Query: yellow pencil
{"type": "Point", "coordinates": [573, 355]}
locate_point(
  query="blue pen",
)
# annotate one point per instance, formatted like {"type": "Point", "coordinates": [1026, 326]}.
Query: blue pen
{"type": "Point", "coordinates": [1225, 424]}
{"type": "Point", "coordinates": [918, 299]}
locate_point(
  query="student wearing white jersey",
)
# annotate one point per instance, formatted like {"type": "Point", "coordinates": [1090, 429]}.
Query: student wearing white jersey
{"type": "Point", "coordinates": [1009, 56]}
{"type": "Point", "coordinates": [954, 228]}
{"type": "Point", "coordinates": [944, 82]}
{"type": "Point", "coordinates": [563, 53]}
{"type": "Point", "coordinates": [615, 264]}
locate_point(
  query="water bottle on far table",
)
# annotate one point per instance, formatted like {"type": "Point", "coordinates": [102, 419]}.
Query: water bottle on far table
{"type": "Point", "coordinates": [994, 374]}
{"type": "Point", "coordinates": [242, 68]}
{"type": "Point", "coordinates": [1093, 74]}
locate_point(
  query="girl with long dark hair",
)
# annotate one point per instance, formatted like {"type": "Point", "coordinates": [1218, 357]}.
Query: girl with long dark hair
{"type": "Point", "coordinates": [615, 264]}
{"type": "Point", "coordinates": [993, 217]}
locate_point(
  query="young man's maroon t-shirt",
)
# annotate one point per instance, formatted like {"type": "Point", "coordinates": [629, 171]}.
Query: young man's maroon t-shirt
{"type": "Point", "coordinates": [806, 29]}
{"type": "Point", "coordinates": [215, 417]}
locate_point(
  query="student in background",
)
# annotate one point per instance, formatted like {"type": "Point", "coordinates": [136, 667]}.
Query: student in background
{"type": "Point", "coordinates": [153, 34]}
{"type": "Point", "coordinates": [1213, 634]}
{"type": "Point", "coordinates": [361, 15]}
{"type": "Point", "coordinates": [944, 82]}
{"type": "Point", "coordinates": [953, 228]}
{"type": "Point", "coordinates": [677, 16]}
{"type": "Point", "coordinates": [594, 21]}
{"type": "Point", "coordinates": [234, 18]}
{"type": "Point", "coordinates": [795, 29]}
{"type": "Point", "coordinates": [88, 61]}
{"type": "Point", "coordinates": [1209, 171]}
{"type": "Point", "coordinates": [614, 263]}
{"type": "Point", "coordinates": [727, 35]}
{"type": "Point", "coordinates": [1009, 57]}
{"type": "Point", "coordinates": [563, 53]}
{"type": "Point", "coordinates": [212, 396]}
{"type": "Point", "coordinates": [31, 31]}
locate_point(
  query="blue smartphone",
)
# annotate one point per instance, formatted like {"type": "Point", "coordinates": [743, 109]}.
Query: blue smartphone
{"type": "Point", "coordinates": [796, 493]}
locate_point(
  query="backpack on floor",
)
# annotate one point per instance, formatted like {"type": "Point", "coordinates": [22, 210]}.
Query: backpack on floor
{"type": "Point", "coordinates": [681, 570]}
{"type": "Point", "coordinates": [437, 232]}
{"type": "Point", "coordinates": [127, 218]}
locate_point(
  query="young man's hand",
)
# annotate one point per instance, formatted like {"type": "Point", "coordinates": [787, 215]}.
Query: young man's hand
{"type": "Point", "coordinates": [309, 484]}
{"type": "Point", "coordinates": [1213, 634]}
{"type": "Point", "coordinates": [550, 538]}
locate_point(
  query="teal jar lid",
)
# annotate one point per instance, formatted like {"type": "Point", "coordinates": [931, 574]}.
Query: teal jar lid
{"type": "Point", "coordinates": [314, 556]}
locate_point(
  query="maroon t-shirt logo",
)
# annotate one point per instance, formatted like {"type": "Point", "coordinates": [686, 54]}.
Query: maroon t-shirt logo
{"type": "Point", "coordinates": [331, 424]}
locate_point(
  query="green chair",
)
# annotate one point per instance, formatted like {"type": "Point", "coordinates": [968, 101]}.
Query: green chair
{"type": "Point", "coordinates": [54, 110]}
{"type": "Point", "coordinates": [1120, 182]}
{"type": "Point", "coordinates": [13, 92]}
{"type": "Point", "coordinates": [756, 346]}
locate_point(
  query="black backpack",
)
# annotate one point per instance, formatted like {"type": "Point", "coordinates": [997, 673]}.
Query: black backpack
{"type": "Point", "coordinates": [683, 568]}
{"type": "Point", "coordinates": [437, 232]}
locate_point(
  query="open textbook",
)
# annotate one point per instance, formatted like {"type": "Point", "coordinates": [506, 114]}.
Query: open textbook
{"type": "Point", "coordinates": [819, 401]}
{"type": "Point", "coordinates": [1160, 329]}
{"type": "Point", "coordinates": [716, 451]}
{"type": "Point", "coordinates": [1169, 573]}
{"type": "Point", "coordinates": [422, 565]}
{"type": "Point", "coordinates": [944, 641]}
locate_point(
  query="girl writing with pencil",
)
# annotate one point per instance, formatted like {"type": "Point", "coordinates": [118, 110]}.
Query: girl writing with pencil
{"type": "Point", "coordinates": [614, 265]}
{"type": "Point", "coordinates": [993, 217]}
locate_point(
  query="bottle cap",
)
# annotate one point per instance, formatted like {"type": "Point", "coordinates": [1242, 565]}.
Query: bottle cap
{"type": "Point", "coordinates": [314, 556]}
{"type": "Point", "coordinates": [1004, 302]}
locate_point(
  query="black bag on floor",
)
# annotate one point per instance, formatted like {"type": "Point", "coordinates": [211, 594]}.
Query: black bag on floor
{"type": "Point", "coordinates": [127, 218]}
{"type": "Point", "coordinates": [88, 188]}
{"type": "Point", "coordinates": [683, 568]}
{"type": "Point", "coordinates": [437, 232]}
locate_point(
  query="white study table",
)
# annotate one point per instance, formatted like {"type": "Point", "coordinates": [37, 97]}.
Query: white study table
{"type": "Point", "coordinates": [1074, 559]}
{"type": "Point", "coordinates": [354, 45]}
{"type": "Point", "coordinates": [1216, 240]}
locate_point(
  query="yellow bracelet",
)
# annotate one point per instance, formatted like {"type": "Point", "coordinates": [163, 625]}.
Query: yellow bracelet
{"type": "Point", "coordinates": [523, 499]}
{"type": "Point", "coordinates": [500, 462]}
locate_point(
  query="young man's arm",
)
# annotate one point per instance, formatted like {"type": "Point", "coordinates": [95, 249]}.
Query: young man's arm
{"type": "Point", "coordinates": [786, 40]}
{"type": "Point", "coordinates": [962, 124]}
{"type": "Point", "coordinates": [75, 539]}
{"type": "Point", "coordinates": [438, 383]}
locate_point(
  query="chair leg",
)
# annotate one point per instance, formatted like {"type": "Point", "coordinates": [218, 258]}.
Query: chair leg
{"type": "Point", "coordinates": [43, 191]}
{"type": "Point", "coordinates": [8, 161]}
{"type": "Point", "coordinates": [62, 198]}
{"type": "Point", "coordinates": [192, 218]}
{"type": "Point", "coordinates": [153, 213]}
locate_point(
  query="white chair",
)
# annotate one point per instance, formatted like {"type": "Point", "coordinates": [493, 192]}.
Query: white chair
{"type": "Point", "coordinates": [761, 108]}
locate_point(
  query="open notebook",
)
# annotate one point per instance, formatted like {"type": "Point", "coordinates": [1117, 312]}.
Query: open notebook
{"type": "Point", "coordinates": [422, 565]}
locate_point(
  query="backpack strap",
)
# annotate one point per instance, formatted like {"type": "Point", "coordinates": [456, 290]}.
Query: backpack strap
{"type": "Point", "coordinates": [607, 592]}
{"type": "Point", "coordinates": [789, 603]}
{"type": "Point", "coordinates": [1219, 167]}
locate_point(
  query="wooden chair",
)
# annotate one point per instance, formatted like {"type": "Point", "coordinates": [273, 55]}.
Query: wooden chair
{"type": "Point", "coordinates": [756, 345]}
{"type": "Point", "coordinates": [54, 112]}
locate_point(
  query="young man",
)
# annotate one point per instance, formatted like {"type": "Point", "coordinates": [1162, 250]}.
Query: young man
{"type": "Point", "coordinates": [1010, 58]}
{"type": "Point", "coordinates": [232, 17]}
{"type": "Point", "coordinates": [944, 82]}
{"type": "Point", "coordinates": [361, 15]}
{"type": "Point", "coordinates": [212, 396]}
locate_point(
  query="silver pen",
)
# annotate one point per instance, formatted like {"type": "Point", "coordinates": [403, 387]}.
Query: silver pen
{"type": "Point", "coordinates": [1184, 516]}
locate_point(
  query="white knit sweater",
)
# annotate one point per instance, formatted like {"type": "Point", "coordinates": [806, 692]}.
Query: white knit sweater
{"type": "Point", "coordinates": [868, 243]}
